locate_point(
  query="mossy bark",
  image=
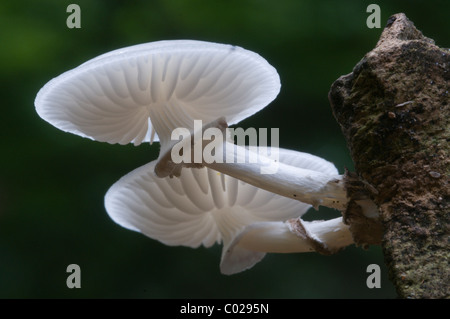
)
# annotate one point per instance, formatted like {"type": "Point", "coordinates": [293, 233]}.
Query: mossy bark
{"type": "Point", "coordinates": [394, 112]}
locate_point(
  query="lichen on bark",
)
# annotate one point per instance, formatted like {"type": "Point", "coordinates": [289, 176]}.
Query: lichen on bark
{"type": "Point", "coordinates": [394, 112]}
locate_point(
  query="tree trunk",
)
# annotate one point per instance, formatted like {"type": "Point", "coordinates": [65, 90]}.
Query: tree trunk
{"type": "Point", "coordinates": [394, 112]}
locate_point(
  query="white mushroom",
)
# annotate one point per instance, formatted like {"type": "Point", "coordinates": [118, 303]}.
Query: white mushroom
{"type": "Point", "coordinates": [126, 95]}
{"type": "Point", "coordinates": [203, 207]}
{"type": "Point", "coordinates": [146, 92]}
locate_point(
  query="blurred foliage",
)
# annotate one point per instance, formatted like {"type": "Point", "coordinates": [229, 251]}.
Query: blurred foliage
{"type": "Point", "coordinates": [52, 183]}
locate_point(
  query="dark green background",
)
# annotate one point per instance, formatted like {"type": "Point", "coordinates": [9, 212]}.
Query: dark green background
{"type": "Point", "coordinates": [52, 183]}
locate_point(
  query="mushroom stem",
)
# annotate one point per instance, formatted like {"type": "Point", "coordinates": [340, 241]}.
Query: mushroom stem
{"type": "Point", "coordinates": [256, 168]}
{"type": "Point", "coordinates": [294, 236]}
{"type": "Point", "coordinates": [308, 186]}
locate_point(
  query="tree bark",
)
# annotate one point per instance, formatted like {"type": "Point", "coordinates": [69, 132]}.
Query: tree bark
{"type": "Point", "coordinates": [393, 110]}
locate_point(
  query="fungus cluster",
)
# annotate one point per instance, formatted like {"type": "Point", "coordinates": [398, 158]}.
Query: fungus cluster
{"type": "Point", "coordinates": [144, 93]}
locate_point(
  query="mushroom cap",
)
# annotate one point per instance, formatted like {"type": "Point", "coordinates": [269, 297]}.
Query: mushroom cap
{"type": "Point", "coordinates": [203, 206]}
{"type": "Point", "coordinates": [122, 96]}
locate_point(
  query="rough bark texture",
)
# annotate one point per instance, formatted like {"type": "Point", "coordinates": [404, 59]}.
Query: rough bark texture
{"type": "Point", "coordinates": [394, 112]}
